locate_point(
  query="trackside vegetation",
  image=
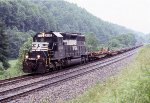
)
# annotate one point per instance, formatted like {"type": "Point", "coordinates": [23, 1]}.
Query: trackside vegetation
{"type": "Point", "coordinates": [15, 68]}
{"type": "Point", "coordinates": [12, 71]}
{"type": "Point", "coordinates": [132, 85]}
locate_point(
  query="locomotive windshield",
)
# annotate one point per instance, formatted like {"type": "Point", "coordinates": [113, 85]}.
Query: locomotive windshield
{"type": "Point", "coordinates": [43, 39]}
{"type": "Point", "coordinates": [39, 40]}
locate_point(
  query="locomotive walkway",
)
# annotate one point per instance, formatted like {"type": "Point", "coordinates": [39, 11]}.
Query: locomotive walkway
{"type": "Point", "coordinates": [38, 83]}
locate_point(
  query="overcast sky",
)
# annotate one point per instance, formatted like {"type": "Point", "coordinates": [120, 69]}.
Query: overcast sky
{"type": "Point", "coordinates": [134, 14]}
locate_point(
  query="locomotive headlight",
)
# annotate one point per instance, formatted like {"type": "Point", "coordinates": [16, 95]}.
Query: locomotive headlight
{"type": "Point", "coordinates": [26, 56]}
{"type": "Point", "coordinates": [38, 56]}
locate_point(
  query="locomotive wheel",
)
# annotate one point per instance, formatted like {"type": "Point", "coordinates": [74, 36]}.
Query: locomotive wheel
{"type": "Point", "coordinates": [41, 67]}
{"type": "Point", "coordinates": [58, 65]}
{"type": "Point", "coordinates": [61, 64]}
{"type": "Point", "coordinates": [86, 59]}
{"type": "Point", "coordinates": [83, 60]}
{"type": "Point", "coordinates": [65, 63]}
{"type": "Point", "coordinates": [54, 66]}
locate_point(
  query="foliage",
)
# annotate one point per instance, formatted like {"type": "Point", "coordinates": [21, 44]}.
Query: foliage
{"type": "Point", "coordinates": [123, 40]}
{"type": "Point", "coordinates": [16, 65]}
{"type": "Point", "coordinates": [16, 39]}
{"type": "Point", "coordinates": [22, 52]}
{"type": "Point", "coordinates": [21, 16]}
{"type": "Point", "coordinates": [3, 48]}
{"type": "Point", "coordinates": [92, 42]}
{"type": "Point", "coordinates": [132, 85]}
{"type": "Point", "coordinates": [147, 38]}
{"type": "Point", "coordinates": [1, 69]}
{"type": "Point", "coordinates": [114, 43]}
{"type": "Point", "coordinates": [12, 71]}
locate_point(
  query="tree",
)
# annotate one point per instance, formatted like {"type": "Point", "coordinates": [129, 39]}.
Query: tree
{"type": "Point", "coordinates": [23, 50]}
{"type": "Point", "coordinates": [91, 42]}
{"type": "Point", "coordinates": [21, 16]}
{"type": "Point", "coordinates": [113, 43]}
{"type": "Point", "coordinates": [122, 40]}
{"type": "Point", "coordinates": [3, 47]}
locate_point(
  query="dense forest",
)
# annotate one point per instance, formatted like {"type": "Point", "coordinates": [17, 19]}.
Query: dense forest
{"type": "Point", "coordinates": [3, 48]}
{"type": "Point", "coordinates": [23, 18]}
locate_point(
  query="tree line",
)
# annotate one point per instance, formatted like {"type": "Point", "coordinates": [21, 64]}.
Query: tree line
{"type": "Point", "coordinates": [3, 48]}
{"type": "Point", "coordinates": [23, 18]}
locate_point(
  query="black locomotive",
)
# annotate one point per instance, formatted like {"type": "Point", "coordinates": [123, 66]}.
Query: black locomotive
{"type": "Point", "coordinates": [52, 50]}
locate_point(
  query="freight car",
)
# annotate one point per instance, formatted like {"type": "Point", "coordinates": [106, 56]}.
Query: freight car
{"type": "Point", "coordinates": [53, 50]}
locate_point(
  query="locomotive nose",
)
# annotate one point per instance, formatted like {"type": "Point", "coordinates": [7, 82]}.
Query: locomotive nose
{"type": "Point", "coordinates": [28, 66]}
{"type": "Point", "coordinates": [26, 57]}
{"type": "Point", "coordinates": [38, 56]}
{"type": "Point", "coordinates": [34, 66]}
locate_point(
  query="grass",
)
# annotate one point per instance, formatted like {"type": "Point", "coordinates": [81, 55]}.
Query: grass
{"type": "Point", "coordinates": [10, 72]}
{"type": "Point", "coordinates": [132, 85]}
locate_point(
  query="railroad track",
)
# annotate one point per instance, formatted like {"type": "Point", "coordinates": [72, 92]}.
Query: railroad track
{"type": "Point", "coordinates": [15, 80]}
{"type": "Point", "coordinates": [13, 93]}
{"type": "Point", "coordinates": [18, 79]}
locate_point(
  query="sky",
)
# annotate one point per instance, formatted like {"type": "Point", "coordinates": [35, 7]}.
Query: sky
{"type": "Point", "coordinates": [133, 14]}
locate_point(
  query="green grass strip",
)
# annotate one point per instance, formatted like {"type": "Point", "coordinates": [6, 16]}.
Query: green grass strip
{"type": "Point", "coordinates": [132, 85]}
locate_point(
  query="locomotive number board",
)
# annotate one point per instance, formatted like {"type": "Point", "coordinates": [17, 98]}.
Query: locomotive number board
{"type": "Point", "coordinates": [44, 35]}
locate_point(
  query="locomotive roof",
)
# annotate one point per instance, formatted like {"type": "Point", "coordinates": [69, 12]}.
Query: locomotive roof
{"type": "Point", "coordinates": [59, 34]}
{"type": "Point", "coordinates": [72, 34]}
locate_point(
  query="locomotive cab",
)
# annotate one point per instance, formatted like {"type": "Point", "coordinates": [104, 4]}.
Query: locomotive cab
{"type": "Point", "coordinates": [48, 42]}
{"type": "Point", "coordinates": [49, 37]}
{"type": "Point", "coordinates": [46, 47]}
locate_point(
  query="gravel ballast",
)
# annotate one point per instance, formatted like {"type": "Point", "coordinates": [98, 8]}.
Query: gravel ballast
{"type": "Point", "coordinates": [75, 87]}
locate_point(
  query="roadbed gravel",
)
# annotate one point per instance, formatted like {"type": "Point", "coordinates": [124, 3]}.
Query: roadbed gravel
{"type": "Point", "coordinates": [75, 87]}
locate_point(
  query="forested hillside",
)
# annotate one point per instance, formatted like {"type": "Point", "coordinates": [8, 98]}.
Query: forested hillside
{"type": "Point", "coordinates": [24, 18]}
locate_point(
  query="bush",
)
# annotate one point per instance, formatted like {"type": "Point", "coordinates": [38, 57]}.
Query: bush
{"type": "Point", "coordinates": [23, 50]}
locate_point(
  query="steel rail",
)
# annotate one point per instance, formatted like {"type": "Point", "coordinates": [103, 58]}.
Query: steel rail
{"type": "Point", "coordinates": [18, 79]}
{"type": "Point", "coordinates": [36, 86]}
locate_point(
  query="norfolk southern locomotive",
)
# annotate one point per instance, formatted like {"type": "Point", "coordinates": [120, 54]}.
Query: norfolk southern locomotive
{"type": "Point", "coordinates": [52, 50]}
